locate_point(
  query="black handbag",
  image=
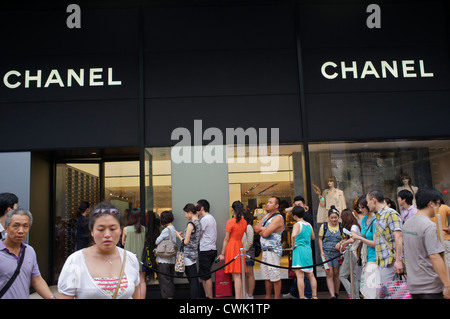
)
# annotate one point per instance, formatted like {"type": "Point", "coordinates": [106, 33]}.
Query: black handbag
{"type": "Point", "coordinates": [14, 276]}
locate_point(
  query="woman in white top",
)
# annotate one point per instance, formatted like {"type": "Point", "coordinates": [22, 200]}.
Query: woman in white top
{"type": "Point", "coordinates": [95, 272]}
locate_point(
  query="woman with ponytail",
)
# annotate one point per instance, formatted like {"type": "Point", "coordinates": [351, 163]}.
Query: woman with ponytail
{"type": "Point", "coordinates": [232, 244]}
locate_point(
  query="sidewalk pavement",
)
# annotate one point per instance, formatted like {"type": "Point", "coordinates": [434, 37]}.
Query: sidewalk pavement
{"type": "Point", "coordinates": [320, 294]}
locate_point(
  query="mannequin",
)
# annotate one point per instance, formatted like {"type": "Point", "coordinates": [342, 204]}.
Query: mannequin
{"type": "Point", "coordinates": [407, 185]}
{"type": "Point", "coordinates": [330, 196]}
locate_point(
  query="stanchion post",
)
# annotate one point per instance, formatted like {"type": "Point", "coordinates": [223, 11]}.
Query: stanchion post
{"type": "Point", "coordinates": [243, 272]}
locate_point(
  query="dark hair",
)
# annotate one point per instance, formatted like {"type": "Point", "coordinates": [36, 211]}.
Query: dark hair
{"type": "Point", "coordinates": [348, 219]}
{"type": "Point", "coordinates": [135, 218]}
{"type": "Point", "coordinates": [362, 201]}
{"type": "Point", "coordinates": [248, 216]}
{"type": "Point", "coordinates": [203, 203]}
{"type": "Point", "coordinates": [7, 200]}
{"type": "Point", "coordinates": [191, 208]}
{"type": "Point", "coordinates": [425, 195]}
{"type": "Point", "coordinates": [333, 210]}
{"type": "Point", "coordinates": [82, 208]}
{"type": "Point", "coordinates": [166, 217]}
{"type": "Point", "coordinates": [377, 194]}
{"type": "Point", "coordinates": [238, 210]}
{"type": "Point", "coordinates": [277, 200]}
{"type": "Point", "coordinates": [104, 208]}
{"type": "Point", "coordinates": [406, 195]}
{"type": "Point", "coordinates": [299, 198]}
{"type": "Point", "coordinates": [298, 211]}
{"type": "Point", "coordinates": [391, 203]}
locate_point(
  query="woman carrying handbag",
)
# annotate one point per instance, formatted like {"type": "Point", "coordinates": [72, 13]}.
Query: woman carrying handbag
{"type": "Point", "coordinates": [166, 262]}
{"type": "Point", "coordinates": [191, 240]}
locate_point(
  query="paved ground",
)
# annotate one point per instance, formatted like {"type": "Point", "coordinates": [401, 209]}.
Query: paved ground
{"type": "Point", "coordinates": [320, 295]}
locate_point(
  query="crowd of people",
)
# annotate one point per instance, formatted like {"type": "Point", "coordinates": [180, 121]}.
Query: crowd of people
{"type": "Point", "coordinates": [380, 244]}
{"type": "Point", "coordinates": [362, 249]}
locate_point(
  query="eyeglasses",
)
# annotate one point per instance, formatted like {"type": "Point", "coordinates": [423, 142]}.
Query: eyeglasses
{"type": "Point", "coordinates": [110, 211]}
{"type": "Point", "coordinates": [361, 208]}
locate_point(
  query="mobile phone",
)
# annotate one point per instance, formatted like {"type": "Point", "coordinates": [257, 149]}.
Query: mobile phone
{"type": "Point", "coordinates": [347, 232]}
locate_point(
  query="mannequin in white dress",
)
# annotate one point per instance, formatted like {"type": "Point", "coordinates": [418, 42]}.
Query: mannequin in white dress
{"type": "Point", "coordinates": [330, 196]}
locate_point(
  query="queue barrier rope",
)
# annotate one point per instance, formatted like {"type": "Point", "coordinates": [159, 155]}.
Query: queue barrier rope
{"type": "Point", "coordinates": [187, 277]}
{"type": "Point", "coordinates": [232, 260]}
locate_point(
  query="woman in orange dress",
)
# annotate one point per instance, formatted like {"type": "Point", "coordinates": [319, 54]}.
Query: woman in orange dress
{"type": "Point", "coordinates": [232, 243]}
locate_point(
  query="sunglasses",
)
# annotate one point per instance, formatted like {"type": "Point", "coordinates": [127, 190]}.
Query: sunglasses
{"type": "Point", "coordinates": [109, 211]}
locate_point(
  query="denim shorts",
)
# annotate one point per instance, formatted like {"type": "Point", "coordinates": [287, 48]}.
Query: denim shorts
{"type": "Point", "coordinates": [330, 254]}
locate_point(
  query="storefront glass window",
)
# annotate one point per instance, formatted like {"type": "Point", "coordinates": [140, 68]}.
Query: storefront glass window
{"type": "Point", "coordinates": [343, 171]}
{"type": "Point", "coordinates": [122, 185]}
{"type": "Point", "coordinates": [249, 178]}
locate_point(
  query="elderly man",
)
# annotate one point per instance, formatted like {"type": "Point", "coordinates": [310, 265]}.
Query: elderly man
{"type": "Point", "coordinates": [14, 253]}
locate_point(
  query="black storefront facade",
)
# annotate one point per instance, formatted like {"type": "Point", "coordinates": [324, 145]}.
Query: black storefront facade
{"type": "Point", "coordinates": [92, 113]}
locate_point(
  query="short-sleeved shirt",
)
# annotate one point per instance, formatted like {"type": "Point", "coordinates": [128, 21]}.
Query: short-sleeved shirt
{"type": "Point", "coordinates": [419, 241]}
{"type": "Point", "coordinates": [20, 289]}
{"type": "Point", "coordinates": [388, 221]}
{"type": "Point", "coordinates": [209, 233]}
{"type": "Point", "coordinates": [75, 279]}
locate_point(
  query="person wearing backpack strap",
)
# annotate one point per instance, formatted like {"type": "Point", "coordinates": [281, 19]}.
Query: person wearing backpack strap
{"type": "Point", "coordinates": [18, 264]}
{"type": "Point", "coordinates": [330, 237]}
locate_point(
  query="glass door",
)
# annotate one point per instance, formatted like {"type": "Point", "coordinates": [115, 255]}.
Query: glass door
{"type": "Point", "coordinates": [81, 186]}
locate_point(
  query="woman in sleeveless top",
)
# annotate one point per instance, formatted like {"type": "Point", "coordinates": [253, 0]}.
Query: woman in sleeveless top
{"type": "Point", "coordinates": [133, 239]}
{"type": "Point", "coordinates": [191, 241]}
{"type": "Point", "coordinates": [302, 235]}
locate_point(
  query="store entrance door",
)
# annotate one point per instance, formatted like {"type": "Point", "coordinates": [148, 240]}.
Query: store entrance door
{"type": "Point", "coordinates": [79, 187]}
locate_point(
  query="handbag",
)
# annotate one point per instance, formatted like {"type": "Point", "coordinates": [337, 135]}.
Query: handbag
{"type": "Point", "coordinates": [223, 285]}
{"type": "Point", "coordinates": [179, 262]}
{"type": "Point", "coordinates": [121, 274]}
{"type": "Point", "coordinates": [147, 257]}
{"type": "Point", "coordinates": [166, 248]}
{"type": "Point", "coordinates": [14, 276]}
{"type": "Point", "coordinates": [395, 289]}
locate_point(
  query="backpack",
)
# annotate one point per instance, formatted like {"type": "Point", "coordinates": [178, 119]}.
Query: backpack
{"type": "Point", "coordinates": [325, 227]}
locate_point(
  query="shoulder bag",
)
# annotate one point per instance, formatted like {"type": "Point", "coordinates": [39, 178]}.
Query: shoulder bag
{"type": "Point", "coordinates": [14, 276]}
{"type": "Point", "coordinates": [121, 274]}
{"type": "Point", "coordinates": [167, 247]}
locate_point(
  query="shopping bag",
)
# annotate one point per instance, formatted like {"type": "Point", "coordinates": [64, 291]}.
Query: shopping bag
{"type": "Point", "coordinates": [370, 280]}
{"type": "Point", "coordinates": [395, 289]}
{"type": "Point", "coordinates": [224, 284]}
{"type": "Point", "coordinates": [179, 261]}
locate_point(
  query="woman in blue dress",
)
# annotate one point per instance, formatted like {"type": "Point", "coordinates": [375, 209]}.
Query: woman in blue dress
{"type": "Point", "coordinates": [302, 235]}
